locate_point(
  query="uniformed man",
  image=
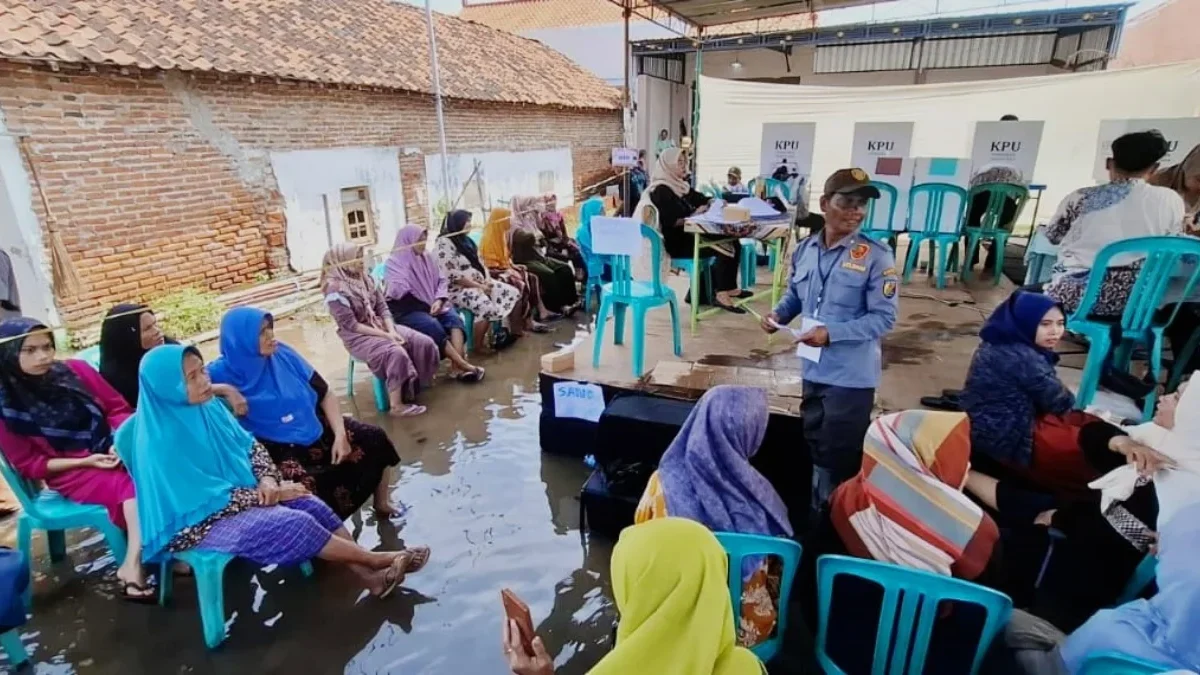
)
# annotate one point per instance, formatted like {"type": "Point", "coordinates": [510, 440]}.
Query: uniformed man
{"type": "Point", "coordinates": [847, 284]}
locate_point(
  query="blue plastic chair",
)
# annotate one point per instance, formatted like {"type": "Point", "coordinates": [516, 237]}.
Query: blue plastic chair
{"type": "Point", "coordinates": [11, 643]}
{"type": "Point", "coordinates": [1115, 663]}
{"type": "Point", "coordinates": [916, 595]}
{"type": "Point", "coordinates": [741, 546]}
{"type": "Point", "coordinates": [1138, 324]}
{"type": "Point", "coordinates": [209, 570]}
{"type": "Point", "coordinates": [45, 509]}
{"type": "Point", "coordinates": [990, 227]}
{"type": "Point", "coordinates": [930, 230]}
{"type": "Point", "coordinates": [640, 296]}
{"type": "Point", "coordinates": [706, 264]}
{"type": "Point", "coordinates": [879, 223]}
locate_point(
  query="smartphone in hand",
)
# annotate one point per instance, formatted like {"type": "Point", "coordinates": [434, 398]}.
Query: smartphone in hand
{"type": "Point", "coordinates": [518, 611]}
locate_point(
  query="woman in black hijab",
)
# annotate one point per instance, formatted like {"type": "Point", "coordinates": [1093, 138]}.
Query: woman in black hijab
{"type": "Point", "coordinates": [127, 333]}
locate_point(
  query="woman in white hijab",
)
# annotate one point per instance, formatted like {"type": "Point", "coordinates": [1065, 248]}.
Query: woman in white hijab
{"type": "Point", "coordinates": [673, 200]}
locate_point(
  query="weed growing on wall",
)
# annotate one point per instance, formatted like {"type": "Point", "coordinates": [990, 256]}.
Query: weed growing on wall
{"type": "Point", "coordinates": [187, 312]}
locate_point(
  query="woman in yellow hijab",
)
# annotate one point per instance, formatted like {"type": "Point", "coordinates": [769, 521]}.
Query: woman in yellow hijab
{"type": "Point", "coordinates": [669, 579]}
{"type": "Point", "coordinates": [494, 250]}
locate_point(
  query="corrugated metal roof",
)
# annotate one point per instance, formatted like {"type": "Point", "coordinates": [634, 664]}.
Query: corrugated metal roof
{"type": "Point", "coordinates": [1004, 50]}
{"type": "Point", "coordinates": [718, 12]}
{"type": "Point", "coordinates": [858, 58]}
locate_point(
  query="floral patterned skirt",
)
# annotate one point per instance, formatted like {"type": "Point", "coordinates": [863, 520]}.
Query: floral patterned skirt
{"type": "Point", "coordinates": [344, 487]}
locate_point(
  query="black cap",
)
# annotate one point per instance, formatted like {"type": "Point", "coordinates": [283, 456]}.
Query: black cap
{"type": "Point", "coordinates": [850, 182]}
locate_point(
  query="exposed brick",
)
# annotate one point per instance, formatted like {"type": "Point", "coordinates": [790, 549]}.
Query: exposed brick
{"type": "Point", "coordinates": [151, 194]}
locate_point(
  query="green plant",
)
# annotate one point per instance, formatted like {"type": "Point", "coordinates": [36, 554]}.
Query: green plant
{"type": "Point", "coordinates": [188, 311]}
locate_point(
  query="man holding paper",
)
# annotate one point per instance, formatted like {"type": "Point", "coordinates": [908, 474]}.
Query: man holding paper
{"type": "Point", "coordinates": [844, 286]}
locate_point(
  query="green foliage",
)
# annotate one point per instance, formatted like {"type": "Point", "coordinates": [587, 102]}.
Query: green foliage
{"type": "Point", "coordinates": [187, 312]}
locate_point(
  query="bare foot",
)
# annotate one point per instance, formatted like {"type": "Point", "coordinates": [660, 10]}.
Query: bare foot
{"type": "Point", "coordinates": [407, 410]}
{"type": "Point", "coordinates": [420, 556]}
{"type": "Point", "coordinates": [386, 509]}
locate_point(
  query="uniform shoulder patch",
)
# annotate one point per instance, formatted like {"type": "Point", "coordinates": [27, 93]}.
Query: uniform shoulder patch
{"type": "Point", "coordinates": [860, 251]}
{"type": "Point", "coordinates": [889, 288]}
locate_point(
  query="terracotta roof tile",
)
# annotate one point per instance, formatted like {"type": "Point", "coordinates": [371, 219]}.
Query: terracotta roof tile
{"type": "Point", "coordinates": [357, 42]}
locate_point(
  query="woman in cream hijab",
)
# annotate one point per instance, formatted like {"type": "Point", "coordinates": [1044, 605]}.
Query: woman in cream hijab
{"type": "Point", "coordinates": [673, 200]}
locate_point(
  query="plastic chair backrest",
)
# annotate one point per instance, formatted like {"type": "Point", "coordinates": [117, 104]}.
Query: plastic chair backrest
{"type": "Point", "coordinates": [888, 217]}
{"type": "Point", "coordinates": [772, 186]}
{"type": "Point", "coordinates": [741, 546]}
{"type": "Point", "coordinates": [1162, 260]}
{"type": "Point", "coordinates": [26, 490]}
{"type": "Point", "coordinates": [1115, 663]}
{"type": "Point", "coordinates": [378, 271]}
{"type": "Point", "coordinates": [916, 596]}
{"type": "Point", "coordinates": [1140, 579]}
{"type": "Point", "coordinates": [935, 196]}
{"type": "Point", "coordinates": [91, 356]}
{"type": "Point", "coordinates": [622, 267]}
{"type": "Point", "coordinates": [998, 194]}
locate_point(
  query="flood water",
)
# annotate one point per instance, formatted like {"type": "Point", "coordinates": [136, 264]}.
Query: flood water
{"type": "Point", "coordinates": [496, 512]}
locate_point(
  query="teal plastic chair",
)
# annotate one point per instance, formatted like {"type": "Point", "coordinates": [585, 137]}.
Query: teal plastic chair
{"type": "Point", "coordinates": [1139, 323]}
{"type": "Point", "coordinates": [749, 263]}
{"type": "Point", "coordinates": [916, 596]}
{"type": "Point", "coordinates": [930, 231]}
{"type": "Point", "coordinates": [379, 386]}
{"type": "Point", "coordinates": [1115, 663]}
{"type": "Point", "coordinates": [706, 264]}
{"type": "Point", "coordinates": [91, 356]}
{"type": "Point", "coordinates": [742, 546]}
{"type": "Point", "coordinates": [772, 187]}
{"type": "Point", "coordinates": [640, 296]}
{"type": "Point", "coordinates": [45, 509]}
{"type": "Point", "coordinates": [11, 643]}
{"type": "Point", "coordinates": [990, 227]}
{"type": "Point", "coordinates": [209, 570]}
{"type": "Point", "coordinates": [879, 223]}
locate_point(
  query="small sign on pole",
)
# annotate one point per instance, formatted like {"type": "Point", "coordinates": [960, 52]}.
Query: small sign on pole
{"type": "Point", "coordinates": [625, 157]}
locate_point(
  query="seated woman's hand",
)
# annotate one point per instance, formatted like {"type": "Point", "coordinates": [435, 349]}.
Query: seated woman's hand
{"type": "Point", "coordinates": [105, 461]}
{"type": "Point", "coordinates": [437, 307]}
{"type": "Point", "coordinates": [235, 400]}
{"type": "Point", "coordinates": [290, 490]}
{"type": "Point", "coordinates": [269, 493]}
{"type": "Point", "coordinates": [398, 339]}
{"type": "Point", "coordinates": [520, 662]}
{"type": "Point", "coordinates": [1147, 459]}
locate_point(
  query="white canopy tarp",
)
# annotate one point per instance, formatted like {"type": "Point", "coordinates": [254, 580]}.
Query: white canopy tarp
{"type": "Point", "coordinates": [732, 114]}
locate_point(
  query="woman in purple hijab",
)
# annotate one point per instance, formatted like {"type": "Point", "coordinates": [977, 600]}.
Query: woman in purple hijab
{"type": "Point", "coordinates": [417, 296]}
{"type": "Point", "coordinates": [706, 476]}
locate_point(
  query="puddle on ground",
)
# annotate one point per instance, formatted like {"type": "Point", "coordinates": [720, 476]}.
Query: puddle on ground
{"type": "Point", "coordinates": [918, 344]}
{"type": "Point", "coordinates": [496, 512]}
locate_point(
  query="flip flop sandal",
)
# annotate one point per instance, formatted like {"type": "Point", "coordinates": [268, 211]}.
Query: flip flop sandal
{"type": "Point", "coordinates": [420, 556]}
{"type": "Point", "coordinates": [732, 308]}
{"type": "Point", "coordinates": [412, 411]}
{"type": "Point", "coordinates": [395, 575]}
{"type": "Point", "coordinates": [551, 316]}
{"type": "Point", "coordinates": [542, 328]}
{"type": "Point", "coordinates": [150, 599]}
{"type": "Point", "coordinates": [470, 377]}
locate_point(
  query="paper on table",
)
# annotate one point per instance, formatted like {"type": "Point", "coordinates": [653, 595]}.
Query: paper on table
{"type": "Point", "coordinates": [580, 400]}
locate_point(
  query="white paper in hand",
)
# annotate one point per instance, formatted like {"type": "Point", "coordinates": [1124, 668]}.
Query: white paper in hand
{"type": "Point", "coordinates": [805, 351]}
{"type": "Point", "coordinates": [616, 236]}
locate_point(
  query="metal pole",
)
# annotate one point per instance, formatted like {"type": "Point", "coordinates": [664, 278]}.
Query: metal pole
{"type": "Point", "coordinates": [627, 207]}
{"type": "Point", "coordinates": [437, 90]}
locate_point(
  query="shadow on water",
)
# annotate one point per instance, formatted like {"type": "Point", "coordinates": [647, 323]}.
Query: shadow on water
{"type": "Point", "coordinates": [496, 512]}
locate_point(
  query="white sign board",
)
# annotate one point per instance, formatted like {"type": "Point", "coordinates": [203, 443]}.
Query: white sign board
{"type": "Point", "coordinates": [625, 157]}
{"type": "Point", "coordinates": [1011, 144]}
{"type": "Point", "coordinates": [787, 152]}
{"type": "Point", "coordinates": [952, 170]}
{"type": "Point", "coordinates": [1182, 134]}
{"type": "Point", "coordinates": [616, 236]}
{"type": "Point", "coordinates": [579, 400]}
{"type": "Point", "coordinates": [898, 173]}
{"type": "Point", "coordinates": [873, 140]}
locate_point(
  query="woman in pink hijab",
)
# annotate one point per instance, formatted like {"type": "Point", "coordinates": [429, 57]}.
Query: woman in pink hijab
{"type": "Point", "coordinates": [418, 296]}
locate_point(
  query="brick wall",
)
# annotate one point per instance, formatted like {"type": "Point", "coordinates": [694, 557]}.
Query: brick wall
{"type": "Point", "coordinates": [158, 181]}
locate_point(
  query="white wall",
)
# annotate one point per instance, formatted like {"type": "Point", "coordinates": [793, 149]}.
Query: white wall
{"type": "Point", "coordinates": [21, 233]}
{"type": "Point", "coordinates": [504, 174]}
{"type": "Point", "coordinates": [600, 49]}
{"type": "Point", "coordinates": [311, 182]}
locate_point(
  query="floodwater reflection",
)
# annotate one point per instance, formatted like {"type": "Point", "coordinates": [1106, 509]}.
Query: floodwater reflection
{"type": "Point", "coordinates": [478, 491]}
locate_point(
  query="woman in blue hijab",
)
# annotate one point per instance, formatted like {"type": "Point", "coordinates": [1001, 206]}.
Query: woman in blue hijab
{"type": "Point", "coordinates": [291, 412]}
{"type": "Point", "coordinates": [204, 483]}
